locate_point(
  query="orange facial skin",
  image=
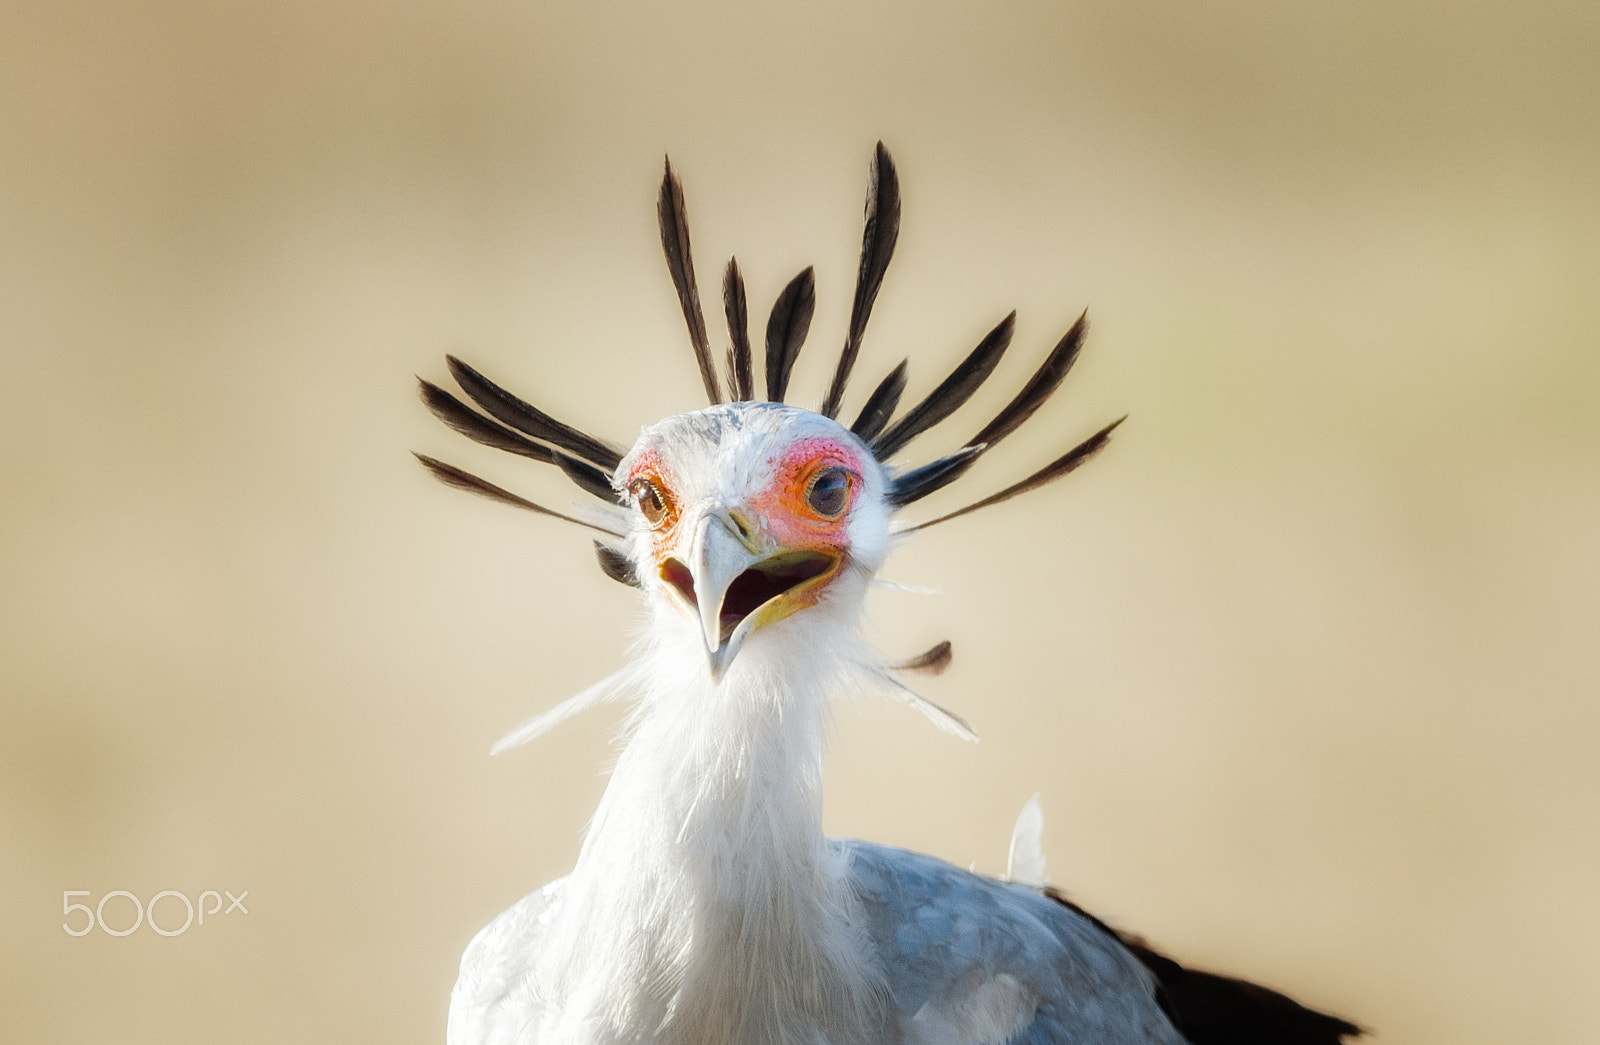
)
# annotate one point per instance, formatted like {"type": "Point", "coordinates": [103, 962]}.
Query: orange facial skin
{"type": "Point", "coordinates": [783, 513]}
{"type": "Point", "coordinates": [783, 510]}
{"type": "Point", "coordinates": [665, 532]}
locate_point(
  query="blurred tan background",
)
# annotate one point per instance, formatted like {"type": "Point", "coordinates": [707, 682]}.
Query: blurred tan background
{"type": "Point", "coordinates": [1305, 667]}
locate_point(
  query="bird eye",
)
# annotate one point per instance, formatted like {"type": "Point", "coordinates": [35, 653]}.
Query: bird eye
{"type": "Point", "coordinates": [648, 497]}
{"type": "Point", "coordinates": [830, 489]}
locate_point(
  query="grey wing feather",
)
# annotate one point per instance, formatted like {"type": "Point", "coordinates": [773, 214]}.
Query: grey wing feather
{"type": "Point", "coordinates": [492, 1000]}
{"type": "Point", "coordinates": [976, 960]}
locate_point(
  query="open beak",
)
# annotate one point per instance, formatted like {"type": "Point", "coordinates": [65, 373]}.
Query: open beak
{"type": "Point", "coordinates": [736, 581]}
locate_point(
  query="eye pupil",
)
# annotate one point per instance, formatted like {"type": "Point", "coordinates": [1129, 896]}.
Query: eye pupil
{"type": "Point", "coordinates": [829, 491]}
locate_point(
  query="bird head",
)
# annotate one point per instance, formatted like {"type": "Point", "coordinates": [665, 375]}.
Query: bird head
{"type": "Point", "coordinates": [745, 514]}
{"type": "Point", "coordinates": [750, 513]}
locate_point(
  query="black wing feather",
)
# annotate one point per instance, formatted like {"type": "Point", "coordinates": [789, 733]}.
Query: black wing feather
{"type": "Point", "coordinates": [877, 247]}
{"type": "Point", "coordinates": [525, 417]}
{"type": "Point", "coordinates": [741, 373]}
{"type": "Point", "coordinates": [786, 330]}
{"type": "Point", "coordinates": [951, 393]}
{"type": "Point", "coordinates": [1209, 1009]}
{"type": "Point", "coordinates": [674, 218]}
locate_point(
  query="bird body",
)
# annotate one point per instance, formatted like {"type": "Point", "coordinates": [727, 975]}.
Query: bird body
{"type": "Point", "coordinates": [706, 906]}
{"type": "Point", "coordinates": [953, 957]}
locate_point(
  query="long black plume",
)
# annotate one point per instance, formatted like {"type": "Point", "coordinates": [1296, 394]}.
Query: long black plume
{"type": "Point", "coordinates": [741, 373]}
{"type": "Point", "coordinates": [786, 330]}
{"type": "Point", "coordinates": [881, 404]}
{"type": "Point", "coordinates": [616, 564]}
{"type": "Point", "coordinates": [920, 482]}
{"type": "Point", "coordinates": [450, 475]}
{"type": "Point", "coordinates": [1040, 386]}
{"type": "Point", "coordinates": [674, 218]}
{"type": "Point", "coordinates": [478, 428]}
{"type": "Point", "coordinates": [529, 419]}
{"type": "Point", "coordinates": [877, 247]}
{"type": "Point", "coordinates": [1049, 473]}
{"type": "Point", "coordinates": [587, 476]}
{"type": "Point", "coordinates": [951, 393]}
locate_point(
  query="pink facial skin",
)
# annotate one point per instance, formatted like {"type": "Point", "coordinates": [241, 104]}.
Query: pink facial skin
{"type": "Point", "coordinates": [782, 506]}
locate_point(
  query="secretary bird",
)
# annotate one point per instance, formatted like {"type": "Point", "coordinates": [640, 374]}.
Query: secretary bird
{"type": "Point", "coordinates": [706, 906]}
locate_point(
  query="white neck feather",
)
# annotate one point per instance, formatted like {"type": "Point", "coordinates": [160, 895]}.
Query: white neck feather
{"type": "Point", "coordinates": [706, 906]}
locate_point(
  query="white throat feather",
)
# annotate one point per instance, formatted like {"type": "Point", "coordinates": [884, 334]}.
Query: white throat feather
{"type": "Point", "coordinates": [706, 905]}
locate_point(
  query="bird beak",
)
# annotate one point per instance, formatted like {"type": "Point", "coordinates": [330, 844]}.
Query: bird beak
{"type": "Point", "coordinates": [719, 554]}
{"type": "Point", "coordinates": [737, 581]}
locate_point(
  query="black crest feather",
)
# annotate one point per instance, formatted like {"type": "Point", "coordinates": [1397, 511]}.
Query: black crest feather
{"type": "Point", "coordinates": [932, 661]}
{"type": "Point", "coordinates": [616, 564]}
{"type": "Point", "coordinates": [450, 475]}
{"type": "Point", "coordinates": [518, 427]}
{"type": "Point", "coordinates": [478, 428]}
{"type": "Point", "coordinates": [530, 419]}
{"type": "Point", "coordinates": [1040, 386]}
{"type": "Point", "coordinates": [1048, 474]}
{"type": "Point", "coordinates": [951, 393]}
{"type": "Point", "coordinates": [741, 373]}
{"type": "Point", "coordinates": [786, 331]}
{"type": "Point", "coordinates": [674, 218]}
{"type": "Point", "coordinates": [920, 482]}
{"type": "Point", "coordinates": [881, 404]}
{"type": "Point", "coordinates": [587, 476]}
{"type": "Point", "coordinates": [877, 247]}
